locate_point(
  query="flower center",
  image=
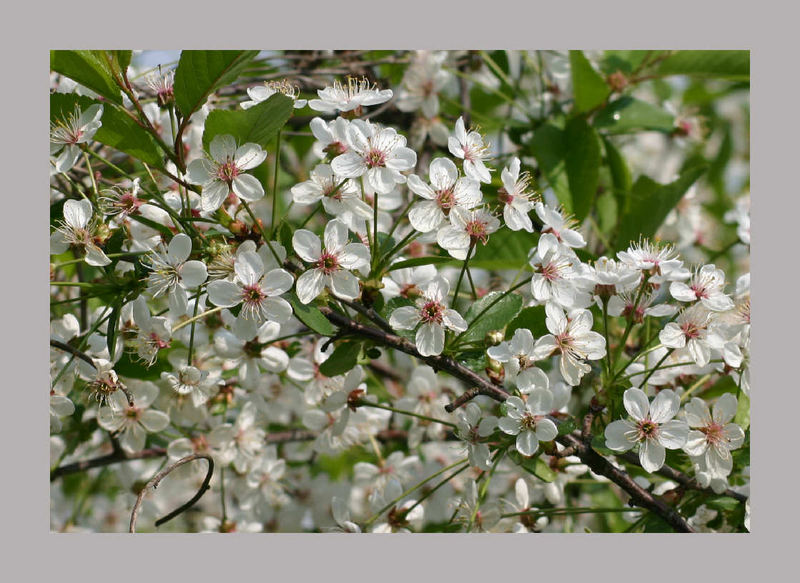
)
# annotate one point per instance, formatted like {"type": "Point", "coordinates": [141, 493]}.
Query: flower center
{"type": "Point", "coordinates": [477, 231]}
{"type": "Point", "coordinates": [328, 263]}
{"type": "Point", "coordinates": [691, 330]}
{"type": "Point", "coordinates": [647, 429]}
{"type": "Point", "coordinates": [445, 199]}
{"type": "Point", "coordinates": [528, 421]}
{"type": "Point", "coordinates": [713, 433]}
{"type": "Point", "coordinates": [432, 312]}
{"type": "Point", "coordinates": [227, 171]}
{"type": "Point", "coordinates": [375, 158]}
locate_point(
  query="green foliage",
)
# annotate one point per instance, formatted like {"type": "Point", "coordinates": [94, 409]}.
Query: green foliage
{"type": "Point", "coordinates": [533, 465]}
{"type": "Point", "coordinates": [200, 73]}
{"type": "Point", "coordinates": [532, 318]}
{"type": "Point", "coordinates": [258, 124]}
{"type": "Point", "coordinates": [549, 148]}
{"type": "Point", "coordinates": [627, 114]}
{"type": "Point", "coordinates": [649, 204]}
{"type": "Point", "coordinates": [506, 249]}
{"type": "Point", "coordinates": [727, 64]}
{"type": "Point", "coordinates": [311, 316]}
{"type": "Point", "coordinates": [590, 88]}
{"type": "Point", "coordinates": [91, 69]}
{"type": "Point", "coordinates": [343, 359]}
{"type": "Point", "coordinates": [742, 418]}
{"type": "Point", "coordinates": [491, 312]}
{"type": "Point", "coordinates": [582, 165]}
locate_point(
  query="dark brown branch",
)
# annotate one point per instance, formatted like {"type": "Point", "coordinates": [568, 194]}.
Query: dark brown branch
{"type": "Point", "coordinates": [106, 460]}
{"type": "Point", "coordinates": [480, 385]}
{"type": "Point", "coordinates": [639, 496]}
{"type": "Point", "coordinates": [687, 482]}
{"type": "Point", "coordinates": [160, 476]}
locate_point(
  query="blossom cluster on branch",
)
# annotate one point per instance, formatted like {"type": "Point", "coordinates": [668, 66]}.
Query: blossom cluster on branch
{"type": "Point", "coordinates": [375, 317]}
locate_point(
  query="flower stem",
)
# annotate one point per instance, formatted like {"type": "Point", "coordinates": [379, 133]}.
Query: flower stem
{"type": "Point", "coordinates": [363, 403]}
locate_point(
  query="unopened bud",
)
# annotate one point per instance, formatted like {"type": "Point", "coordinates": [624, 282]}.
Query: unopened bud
{"type": "Point", "coordinates": [494, 337]}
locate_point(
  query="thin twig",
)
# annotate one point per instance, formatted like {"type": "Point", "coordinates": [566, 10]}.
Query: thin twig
{"type": "Point", "coordinates": [160, 476]}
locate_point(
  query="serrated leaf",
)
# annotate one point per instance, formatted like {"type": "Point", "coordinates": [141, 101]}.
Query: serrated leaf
{"type": "Point", "coordinates": [89, 70]}
{"type": "Point", "coordinates": [649, 203]}
{"type": "Point", "coordinates": [491, 312]}
{"type": "Point", "coordinates": [200, 73]}
{"type": "Point", "coordinates": [582, 165]}
{"type": "Point", "coordinates": [343, 359]}
{"type": "Point", "coordinates": [727, 64]}
{"type": "Point", "coordinates": [259, 124]}
{"type": "Point", "coordinates": [311, 317]}
{"type": "Point", "coordinates": [626, 114]}
{"type": "Point", "coordinates": [285, 236]}
{"type": "Point", "coordinates": [118, 130]}
{"type": "Point", "coordinates": [589, 86]}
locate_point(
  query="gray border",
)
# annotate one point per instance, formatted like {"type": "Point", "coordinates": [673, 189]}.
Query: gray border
{"type": "Point", "coordinates": [418, 24]}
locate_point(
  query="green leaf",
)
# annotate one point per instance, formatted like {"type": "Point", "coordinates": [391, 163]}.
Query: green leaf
{"type": "Point", "coordinates": [590, 88]}
{"type": "Point", "coordinates": [626, 114]}
{"type": "Point", "coordinates": [568, 425]}
{"type": "Point", "coordinates": [285, 236]}
{"type": "Point", "coordinates": [259, 124]}
{"type": "Point", "coordinates": [417, 261]}
{"type": "Point", "coordinates": [727, 64]}
{"type": "Point", "coordinates": [130, 368]}
{"type": "Point", "coordinates": [343, 359]}
{"type": "Point", "coordinates": [582, 165]}
{"type": "Point", "coordinates": [111, 333]}
{"type": "Point", "coordinates": [723, 503]}
{"type": "Point", "coordinates": [88, 69]}
{"type": "Point", "coordinates": [549, 148]}
{"type": "Point", "coordinates": [532, 318]}
{"type": "Point", "coordinates": [620, 173]}
{"type": "Point", "coordinates": [625, 61]}
{"type": "Point", "coordinates": [742, 418]}
{"type": "Point", "coordinates": [200, 73]}
{"type": "Point", "coordinates": [533, 465]}
{"type": "Point", "coordinates": [118, 129]}
{"type": "Point", "coordinates": [482, 318]}
{"type": "Point", "coordinates": [506, 249]}
{"type": "Point", "coordinates": [311, 317]}
{"type": "Point", "coordinates": [649, 204]}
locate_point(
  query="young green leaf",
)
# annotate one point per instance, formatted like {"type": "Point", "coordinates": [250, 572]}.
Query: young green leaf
{"type": "Point", "coordinates": [88, 69]}
{"type": "Point", "coordinates": [343, 359]}
{"type": "Point", "coordinates": [590, 88]}
{"type": "Point", "coordinates": [311, 317]}
{"type": "Point", "coordinates": [200, 73]}
{"type": "Point", "coordinates": [582, 165]}
{"type": "Point", "coordinates": [259, 124]}
{"type": "Point", "coordinates": [491, 312]}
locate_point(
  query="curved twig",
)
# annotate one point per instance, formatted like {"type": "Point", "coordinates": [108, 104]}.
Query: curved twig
{"type": "Point", "coordinates": [160, 476]}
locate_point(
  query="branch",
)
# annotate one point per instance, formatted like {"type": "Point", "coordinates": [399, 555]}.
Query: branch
{"type": "Point", "coordinates": [106, 460]}
{"type": "Point", "coordinates": [480, 386]}
{"type": "Point", "coordinates": [160, 476]}
{"type": "Point", "coordinates": [639, 496]}
{"type": "Point", "coordinates": [684, 480]}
